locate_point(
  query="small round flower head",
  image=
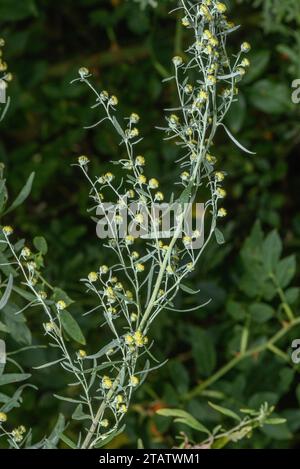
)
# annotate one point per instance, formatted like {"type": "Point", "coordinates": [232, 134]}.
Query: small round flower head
{"type": "Point", "coordinates": [119, 399]}
{"type": "Point", "coordinates": [135, 255]}
{"type": "Point", "coordinates": [123, 409]}
{"type": "Point", "coordinates": [129, 239]}
{"type": "Point", "coordinates": [7, 230]}
{"type": "Point", "coordinates": [17, 433]}
{"type": "Point", "coordinates": [3, 66]}
{"type": "Point", "coordinates": [139, 218]}
{"type": "Point", "coordinates": [188, 89]}
{"type": "Point", "coordinates": [42, 295]}
{"type": "Point", "coordinates": [177, 61]}
{"type": "Point", "coordinates": [211, 159]}
{"type": "Point", "coordinates": [128, 293]}
{"type": "Point", "coordinates": [185, 21]}
{"type": "Point", "coordinates": [241, 71]}
{"type": "Point", "coordinates": [113, 100]}
{"type": "Point", "coordinates": [173, 120]}
{"type": "Point", "coordinates": [211, 80]}
{"type": "Point", "coordinates": [222, 212]}
{"type": "Point", "coordinates": [109, 176]}
{"type": "Point", "coordinates": [221, 193]}
{"type": "Point", "coordinates": [111, 310]}
{"type": "Point", "coordinates": [133, 132]}
{"type": "Point", "coordinates": [83, 160]}
{"type": "Point", "coordinates": [60, 305]}
{"type": "Point", "coordinates": [83, 72]}
{"type": "Point", "coordinates": [133, 317]}
{"type": "Point", "coordinates": [245, 63]}
{"type": "Point", "coordinates": [104, 95]}
{"type": "Point", "coordinates": [106, 382]}
{"type": "Point", "coordinates": [49, 326]}
{"type": "Point", "coordinates": [140, 267]}
{"type": "Point", "coordinates": [134, 381]}
{"type": "Point", "coordinates": [25, 252]}
{"type": "Point", "coordinates": [187, 241]}
{"type": "Point", "coordinates": [93, 276]}
{"type": "Point", "coordinates": [190, 267]}
{"type": "Point", "coordinates": [129, 339]}
{"type": "Point", "coordinates": [134, 118]}
{"type": "Point", "coordinates": [185, 176]}
{"type": "Point", "coordinates": [103, 269]}
{"type": "Point", "coordinates": [170, 270]}
{"type": "Point", "coordinates": [219, 176]}
{"type": "Point", "coordinates": [3, 417]}
{"type": "Point", "coordinates": [142, 179]}
{"type": "Point", "coordinates": [81, 354]}
{"type": "Point", "coordinates": [245, 47]}
{"type": "Point", "coordinates": [2, 42]}
{"type": "Point", "coordinates": [221, 7]}
{"type": "Point", "coordinates": [202, 96]}
{"type": "Point", "coordinates": [140, 161]}
{"type": "Point", "coordinates": [118, 219]}
{"type": "Point", "coordinates": [104, 423]}
{"type": "Point", "coordinates": [153, 183]}
{"type": "Point", "coordinates": [159, 196]}
{"type": "Point", "coordinates": [130, 193]}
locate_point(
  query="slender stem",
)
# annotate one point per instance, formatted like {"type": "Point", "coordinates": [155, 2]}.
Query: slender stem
{"type": "Point", "coordinates": [269, 345]}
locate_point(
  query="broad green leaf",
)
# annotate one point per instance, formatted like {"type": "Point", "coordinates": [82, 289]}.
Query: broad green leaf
{"type": "Point", "coordinates": [41, 244]}
{"type": "Point", "coordinates": [225, 411]}
{"type": "Point", "coordinates": [271, 97]}
{"type": "Point", "coordinates": [261, 312]}
{"type": "Point", "coordinates": [285, 271]}
{"type": "Point", "coordinates": [71, 327]}
{"type": "Point", "coordinates": [204, 352]}
{"type": "Point", "coordinates": [24, 192]}
{"type": "Point", "coordinates": [259, 62]}
{"type": "Point", "coordinates": [271, 251]}
{"type": "Point", "coordinates": [12, 11]}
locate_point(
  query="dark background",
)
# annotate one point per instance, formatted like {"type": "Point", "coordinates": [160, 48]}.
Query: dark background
{"type": "Point", "coordinates": [128, 50]}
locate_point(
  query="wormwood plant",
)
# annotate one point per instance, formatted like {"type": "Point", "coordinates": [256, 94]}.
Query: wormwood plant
{"type": "Point", "coordinates": [147, 272]}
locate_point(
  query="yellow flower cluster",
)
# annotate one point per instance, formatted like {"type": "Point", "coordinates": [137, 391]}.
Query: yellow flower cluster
{"type": "Point", "coordinates": [137, 339]}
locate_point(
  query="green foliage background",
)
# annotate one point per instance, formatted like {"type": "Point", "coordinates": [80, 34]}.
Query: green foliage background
{"type": "Point", "coordinates": [128, 50]}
